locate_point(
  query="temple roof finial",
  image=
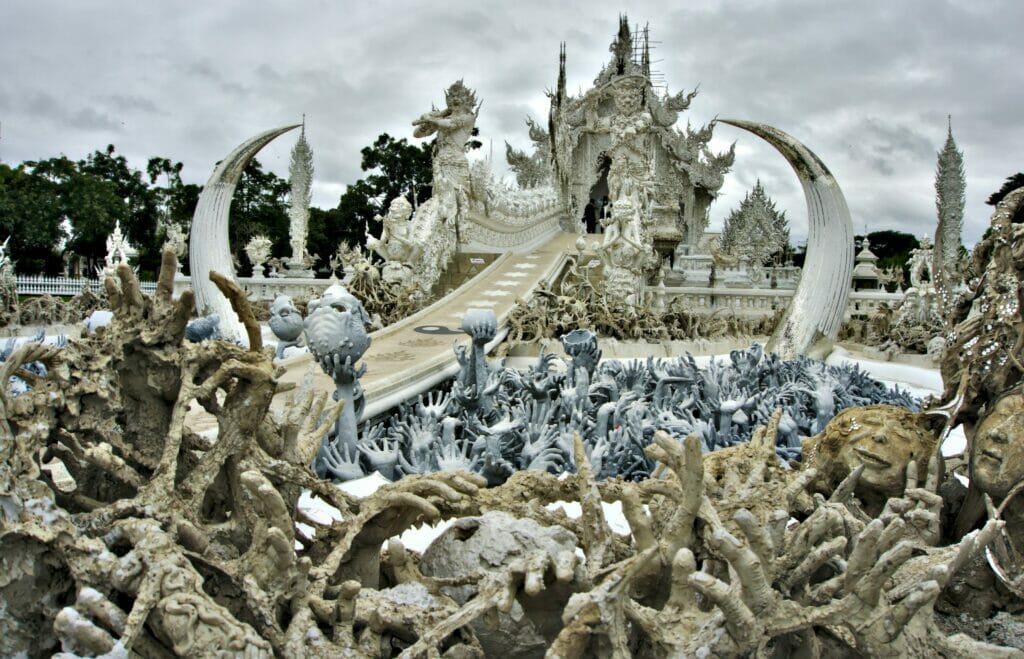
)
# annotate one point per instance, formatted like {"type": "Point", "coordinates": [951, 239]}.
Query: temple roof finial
{"type": "Point", "coordinates": [560, 95]}
{"type": "Point", "coordinates": [645, 61]}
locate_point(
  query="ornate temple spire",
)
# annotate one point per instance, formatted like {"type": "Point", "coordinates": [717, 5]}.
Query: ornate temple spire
{"type": "Point", "coordinates": [622, 47]}
{"type": "Point", "coordinates": [949, 202]}
{"type": "Point", "coordinates": [757, 229]}
{"type": "Point", "coordinates": [645, 61]}
{"type": "Point", "coordinates": [301, 174]}
{"type": "Point", "coordinates": [560, 94]}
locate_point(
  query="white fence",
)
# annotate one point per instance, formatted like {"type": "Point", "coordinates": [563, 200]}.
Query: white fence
{"type": "Point", "coordinates": [764, 302]}
{"type": "Point", "coordinates": [65, 286]}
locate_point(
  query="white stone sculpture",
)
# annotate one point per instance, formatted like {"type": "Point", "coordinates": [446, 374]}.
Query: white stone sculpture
{"type": "Point", "coordinates": [177, 240]}
{"type": "Point", "coordinates": [258, 251]}
{"type": "Point", "coordinates": [453, 126]}
{"type": "Point", "coordinates": [395, 245]}
{"type": "Point", "coordinates": [629, 174]}
{"type": "Point", "coordinates": [623, 253]}
{"type": "Point", "coordinates": [532, 170]}
{"type": "Point", "coordinates": [619, 139]}
{"type": "Point", "coordinates": [756, 229]}
{"type": "Point", "coordinates": [811, 322]}
{"type": "Point", "coordinates": [301, 174]}
{"type": "Point", "coordinates": [119, 250]}
{"type": "Point", "coordinates": [950, 184]}
{"type": "Point", "coordinates": [435, 225]}
{"type": "Point", "coordinates": [286, 324]}
{"type": "Point", "coordinates": [8, 283]}
{"type": "Point", "coordinates": [209, 249]}
{"type": "Point", "coordinates": [921, 259]}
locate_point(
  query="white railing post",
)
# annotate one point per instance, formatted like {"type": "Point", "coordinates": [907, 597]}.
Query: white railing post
{"type": "Point", "coordinates": [62, 286]}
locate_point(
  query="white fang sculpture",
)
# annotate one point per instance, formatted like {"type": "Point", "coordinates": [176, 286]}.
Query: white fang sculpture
{"type": "Point", "coordinates": [820, 299]}
{"type": "Point", "coordinates": [209, 249]}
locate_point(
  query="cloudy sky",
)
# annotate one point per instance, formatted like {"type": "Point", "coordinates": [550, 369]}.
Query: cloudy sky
{"type": "Point", "coordinates": [866, 85]}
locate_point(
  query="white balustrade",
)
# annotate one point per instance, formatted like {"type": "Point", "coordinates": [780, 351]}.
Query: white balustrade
{"type": "Point", "coordinates": [64, 286]}
{"type": "Point", "coordinates": [754, 302]}
{"type": "Point", "coordinates": [268, 288]}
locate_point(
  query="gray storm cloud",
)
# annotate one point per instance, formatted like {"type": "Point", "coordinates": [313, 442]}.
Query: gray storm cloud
{"type": "Point", "coordinates": [866, 85]}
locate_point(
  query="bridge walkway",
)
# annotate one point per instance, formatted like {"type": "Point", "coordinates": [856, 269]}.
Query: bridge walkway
{"type": "Point", "coordinates": [415, 354]}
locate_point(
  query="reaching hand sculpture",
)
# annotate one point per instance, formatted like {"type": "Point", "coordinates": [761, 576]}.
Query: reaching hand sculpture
{"type": "Point", "coordinates": [482, 326]}
{"type": "Point", "coordinates": [884, 439]}
{"type": "Point", "coordinates": [336, 334]}
{"type": "Point", "coordinates": [615, 407]}
{"type": "Point", "coordinates": [581, 345]}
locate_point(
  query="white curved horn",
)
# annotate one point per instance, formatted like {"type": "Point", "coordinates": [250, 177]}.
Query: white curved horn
{"type": "Point", "coordinates": [819, 302]}
{"type": "Point", "coordinates": [208, 245]}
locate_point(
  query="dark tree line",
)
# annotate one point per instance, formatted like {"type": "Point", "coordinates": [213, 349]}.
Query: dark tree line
{"type": "Point", "coordinates": [47, 205]}
{"type": "Point", "coordinates": [58, 202]}
{"type": "Point", "coordinates": [57, 206]}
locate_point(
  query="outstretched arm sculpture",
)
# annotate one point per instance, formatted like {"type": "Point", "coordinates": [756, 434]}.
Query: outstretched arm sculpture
{"type": "Point", "coordinates": [336, 334]}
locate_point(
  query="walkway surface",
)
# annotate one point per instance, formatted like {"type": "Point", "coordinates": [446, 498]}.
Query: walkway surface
{"type": "Point", "coordinates": [414, 354]}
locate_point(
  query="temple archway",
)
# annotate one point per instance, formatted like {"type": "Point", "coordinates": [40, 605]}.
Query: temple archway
{"type": "Point", "coordinates": [597, 200]}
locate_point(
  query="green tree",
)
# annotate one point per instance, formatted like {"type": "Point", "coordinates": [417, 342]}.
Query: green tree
{"type": "Point", "coordinates": [893, 249]}
{"type": "Point", "coordinates": [396, 168]}
{"type": "Point", "coordinates": [259, 208]}
{"type": "Point", "coordinates": [177, 200]}
{"type": "Point", "coordinates": [91, 204]}
{"type": "Point", "coordinates": [31, 216]}
{"type": "Point", "coordinates": [141, 213]}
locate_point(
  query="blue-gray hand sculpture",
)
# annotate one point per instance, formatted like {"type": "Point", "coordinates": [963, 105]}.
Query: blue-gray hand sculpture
{"type": "Point", "coordinates": [337, 338]}
{"type": "Point", "coordinates": [495, 421]}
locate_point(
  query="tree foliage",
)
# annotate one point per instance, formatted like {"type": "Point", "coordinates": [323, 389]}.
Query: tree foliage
{"type": "Point", "coordinates": [893, 249]}
{"type": "Point", "coordinates": [259, 208]}
{"type": "Point", "coordinates": [93, 194]}
{"type": "Point", "coordinates": [396, 168]}
{"type": "Point", "coordinates": [1012, 183]}
{"type": "Point", "coordinates": [31, 216]}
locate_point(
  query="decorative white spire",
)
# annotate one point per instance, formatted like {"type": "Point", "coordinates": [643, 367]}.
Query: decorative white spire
{"type": "Point", "coordinates": [949, 202]}
{"type": "Point", "coordinates": [301, 174]}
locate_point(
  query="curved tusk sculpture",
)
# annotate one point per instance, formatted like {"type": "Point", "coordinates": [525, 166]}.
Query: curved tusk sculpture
{"type": "Point", "coordinates": [208, 246]}
{"type": "Point", "coordinates": [811, 323]}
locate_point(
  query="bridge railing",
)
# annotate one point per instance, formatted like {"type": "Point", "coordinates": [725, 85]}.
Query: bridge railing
{"type": "Point", "coordinates": [65, 286]}
{"type": "Point", "coordinates": [763, 302]}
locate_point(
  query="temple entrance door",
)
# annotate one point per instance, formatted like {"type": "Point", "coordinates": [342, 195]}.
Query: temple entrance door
{"type": "Point", "coordinates": [597, 203]}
